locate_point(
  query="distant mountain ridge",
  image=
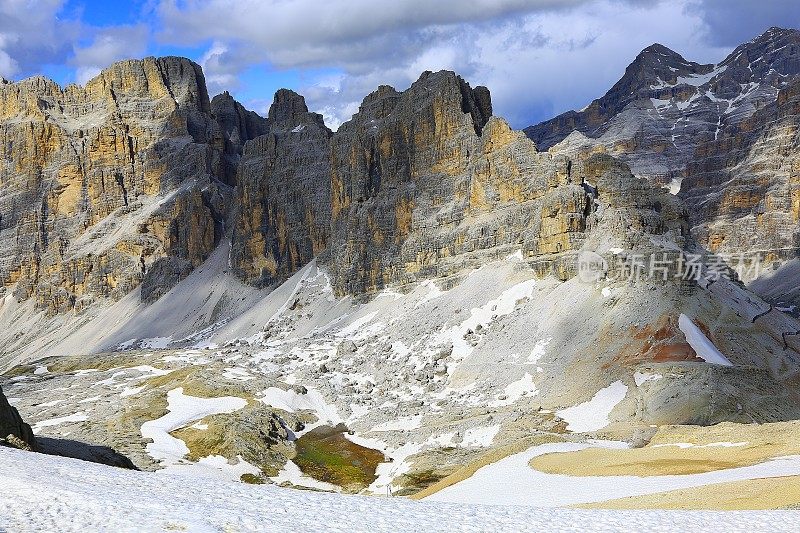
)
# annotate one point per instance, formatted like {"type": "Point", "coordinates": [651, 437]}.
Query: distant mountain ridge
{"type": "Point", "coordinates": [664, 105]}
{"type": "Point", "coordinates": [721, 136]}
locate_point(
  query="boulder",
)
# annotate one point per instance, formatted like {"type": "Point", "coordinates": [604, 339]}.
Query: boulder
{"type": "Point", "coordinates": [13, 430]}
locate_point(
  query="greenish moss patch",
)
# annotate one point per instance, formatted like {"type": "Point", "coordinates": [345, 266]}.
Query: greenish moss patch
{"type": "Point", "coordinates": [252, 479]}
{"type": "Point", "coordinates": [19, 370]}
{"type": "Point", "coordinates": [325, 454]}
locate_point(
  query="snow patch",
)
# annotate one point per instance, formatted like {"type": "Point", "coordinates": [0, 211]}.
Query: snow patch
{"type": "Point", "coordinates": [51, 403]}
{"type": "Point", "coordinates": [511, 481]}
{"type": "Point", "coordinates": [237, 373]}
{"type": "Point", "coordinates": [480, 436]}
{"type": "Point", "coordinates": [593, 415]}
{"type": "Point", "coordinates": [445, 439]}
{"type": "Point", "coordinates": [704, 348]}
{"type": "Point", "coordinates": [182, 410]}
{"type": "Point", "coordinates": [516, 257]}
{"type": "Point", "coordinates": [643, 377]}
{"type": "Point", "coordinates": [156, 343]}
{"type": "Point", "coordinates": [483, 316]}
{"type": "Point", "coordinates": [292, 401]}
{"type": "Point", "coordinates": [96, 497]}
{"type": "Point", "coordinates": [538, 351]}
{"type": "Point", "coordinates": [700, 79]}
{"type": "Point", "coordinates": [675, 186]}
{"type": "Point", "coordinates": [401, 424]}
{"type": "Point", "coordinates": [354, 327]}
{"type": "Point", "coordinates": [131, 391]}
{"type": "Point", "coordinates": [516, 390]}
{"type": "Point", "coordinates": [77, 417]}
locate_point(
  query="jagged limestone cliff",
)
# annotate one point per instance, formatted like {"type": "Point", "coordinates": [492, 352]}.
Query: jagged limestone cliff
{"type": "Point", "coordinates": [131, 181]}
{"type": "Point", "coordinates": [744, 187]}
{"type": "Point", "coordinates": [425, 183]}
{"type": "Point", "coordinates": [282, 217]}
{"type": "Point", "coordinates": [109, 185]}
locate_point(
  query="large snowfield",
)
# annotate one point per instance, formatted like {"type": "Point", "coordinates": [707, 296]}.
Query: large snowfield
{"type": "Point", "coordinates": [47, 493]}
{"type": "Point", "coordinates": [511, 481]}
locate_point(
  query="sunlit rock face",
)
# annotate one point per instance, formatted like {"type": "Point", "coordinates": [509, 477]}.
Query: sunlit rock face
{"type": "Point", "coordinates": [104, 186]}
{"type": "Point", "coordinates": [132, 181]}
{"type": "Point", "coordinates": [425, 183]}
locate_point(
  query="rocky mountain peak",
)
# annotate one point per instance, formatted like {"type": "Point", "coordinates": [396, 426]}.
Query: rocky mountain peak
{"type": "Point", "coordinates": [287, 106]}
{"type": "Point", "coordinates": [656, 71]}
{"type": "Point", "coordinates": [155, 78]}
{"type": "Point", "coordinates": [379, 103]}
{"type": "Point", "coordinates": [660, 80]}
{"type": "Point", "coordinates": [289, 111]}
{"type": "Point", "coordinates": [774, 35]}
{"type": "Point", "coordinates": [709, 132]}
{"type": "Point", "coordinates": [657, 53]}
{"type": "Point", "coordinates": [477, 102]}
{"type": "Point", "coordinates": [656, 66]}
{"type": "Point", "coordinates": [769, 57]}
{"type": "Point", "coordinates": [239, 124]}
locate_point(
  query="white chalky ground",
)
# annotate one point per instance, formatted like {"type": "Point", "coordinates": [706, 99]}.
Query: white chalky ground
{"type": "Point", "coordinates": [46, 493]}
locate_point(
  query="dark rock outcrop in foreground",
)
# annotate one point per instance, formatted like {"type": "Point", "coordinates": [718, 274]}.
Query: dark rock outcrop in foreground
{"type": "Point", "coordinates": [13, 430]}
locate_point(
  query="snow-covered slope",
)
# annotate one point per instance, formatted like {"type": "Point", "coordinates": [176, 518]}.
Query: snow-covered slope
{"type": "Point", "coordinates": [42, 493]}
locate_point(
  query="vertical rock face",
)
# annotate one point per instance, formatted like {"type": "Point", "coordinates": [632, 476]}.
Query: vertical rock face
{"type": "Point", "coordinates": [238, 126]}
{"type": "Point", "coordinates": [424, 183]}
{"type": "Point", "coordinates": [283, 200]}
{"type": "Point", "coordinates": [744, 187]}
{"type": "Point", "coordinates": [410, 175]}
{"type": "Point", "coordinates": [134, 179]}
{"type": "Point", "coordinates": [102, 186]}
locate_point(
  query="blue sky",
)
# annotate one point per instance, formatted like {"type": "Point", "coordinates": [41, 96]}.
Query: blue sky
{"type": "Point", "coordinates": [538, 57]}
